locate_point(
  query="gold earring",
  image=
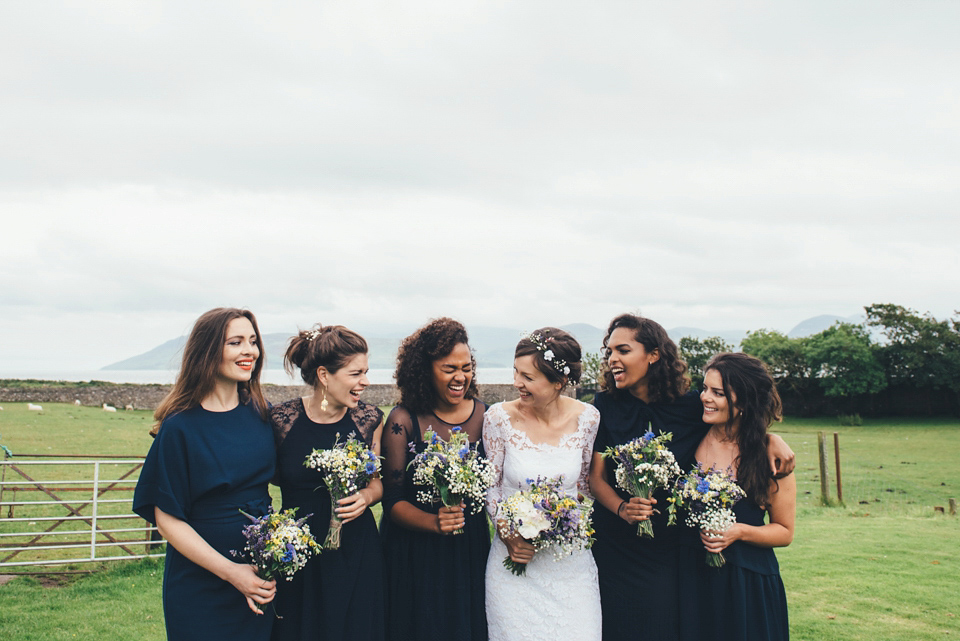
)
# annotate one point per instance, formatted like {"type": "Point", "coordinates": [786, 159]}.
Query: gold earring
{"type": "Point", "coordinates": [323, 403]}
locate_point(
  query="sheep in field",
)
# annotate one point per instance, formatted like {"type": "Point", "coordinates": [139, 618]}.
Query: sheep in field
{"type": "Point", "coordinates": [34, 408]}
{"type": "Point", "coordinates": [77, 402]}
{"type": "Point", "coordinates": [109, 408]}
{"type": "Point", "coordinates": [128, 407]}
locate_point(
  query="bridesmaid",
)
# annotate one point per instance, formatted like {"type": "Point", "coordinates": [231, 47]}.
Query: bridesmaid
{"type": "Point", "coordinates": [744, 600]}
{"type": "Point", "coordinates": [338, 594]}
{"type": "Point", "coordinates": [645, 388]}
{"type": "Point", "coordinates": [435, 579]}
{"type": "Point", "coordinates": [213, 456]}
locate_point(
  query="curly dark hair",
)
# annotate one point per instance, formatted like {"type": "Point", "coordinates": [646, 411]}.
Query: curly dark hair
{"type": "Point", "coordinates": [415, 358]}
{"type": "Point", "coordinates": [563, 346]}
{"type": "Point", "coordinates": [748, 379]}
{"type": "Point", "coordinates": [668, 375]}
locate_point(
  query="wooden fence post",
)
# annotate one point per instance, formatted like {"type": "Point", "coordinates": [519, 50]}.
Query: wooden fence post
{"type": "Point", "coordinates": [836, 458]}
{"type": "Point", "coordinates": [824, 477]}
{"type": "Point", "coordinates": [953, 507]}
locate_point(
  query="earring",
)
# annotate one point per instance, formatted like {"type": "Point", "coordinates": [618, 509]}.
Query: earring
{"type": "Point", "coordinates": [323, 403]}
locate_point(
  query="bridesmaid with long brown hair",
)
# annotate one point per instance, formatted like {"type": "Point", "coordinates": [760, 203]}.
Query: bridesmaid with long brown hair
{"type": "Point", "coordinates": [213, 456]}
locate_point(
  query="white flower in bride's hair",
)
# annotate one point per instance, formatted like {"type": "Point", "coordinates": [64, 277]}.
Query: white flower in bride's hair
{"type": "Point", "coordinates": [566, 371]}
{"type": "Point", "coordinates": [548, 355]}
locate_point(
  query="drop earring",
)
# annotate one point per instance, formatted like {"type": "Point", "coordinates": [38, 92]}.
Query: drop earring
{"type": "Point", "coordinates": [323, 403]}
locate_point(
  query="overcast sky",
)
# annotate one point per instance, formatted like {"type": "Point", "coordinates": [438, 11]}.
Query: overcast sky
{"type": "Point", "coordinates": [507, 163]}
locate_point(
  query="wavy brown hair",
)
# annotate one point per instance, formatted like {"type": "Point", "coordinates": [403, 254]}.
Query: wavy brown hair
{"type": "Point", "coordinates": [330, 347]}
{"type": "Point", "coordinates": [202, 356]}
{"type": "Point", "coordinates": [564, 347]}
{"type": "Point", "coordinates": [415, 358]}
{"type": "Point", "coordinates": [747, 379]}
{"type": "Point", "coordinates": [668, 375]}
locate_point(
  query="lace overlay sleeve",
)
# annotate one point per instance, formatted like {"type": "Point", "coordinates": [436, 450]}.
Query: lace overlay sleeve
{"type": "Point", "coordinates": [367, 418]}
{"type": "Point", "coordinates": [495, 445]}
{"type": "Point", "coordinates": [394, 443]}
{"type": "Point", "coordinates": [590, 424]}
{"type": "Point", "coordinates": [282, 418]}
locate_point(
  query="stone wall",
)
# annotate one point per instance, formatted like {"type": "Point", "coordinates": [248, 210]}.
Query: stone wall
{"type": "Point", "coordinates": [147, 397]}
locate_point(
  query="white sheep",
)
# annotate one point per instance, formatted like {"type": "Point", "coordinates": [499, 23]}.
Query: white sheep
{"type": "Point", "coordinates": [77, 402]}
{"type": "Point", "coordinates": [34, 408]}
{"type": "Point", "coordinates": [108, 408]}
{"type": "Point", "coordinates": [128, 407]}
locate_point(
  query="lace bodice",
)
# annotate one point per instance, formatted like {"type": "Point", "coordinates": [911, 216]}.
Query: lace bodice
{"type": "Point", "coordinates": [366, 417]}
{"type": "Point", "coordinates": [515, 458]}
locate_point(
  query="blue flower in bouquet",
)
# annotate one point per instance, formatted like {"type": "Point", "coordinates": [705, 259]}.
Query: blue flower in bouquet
{"type": "Point", "coordinates": [371, 468]}
{"type": "Point", "coordinates": [703, 486]}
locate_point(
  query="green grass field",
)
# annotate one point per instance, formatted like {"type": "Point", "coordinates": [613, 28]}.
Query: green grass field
{"type": "Point", "coordinates": [881, 567]}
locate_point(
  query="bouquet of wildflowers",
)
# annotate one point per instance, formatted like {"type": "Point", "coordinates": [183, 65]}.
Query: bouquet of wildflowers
{"type": "Point", "coordinates": [278, 543]}
{"type": "Point", "coordinates": [544, 515]}
{"type": "Point", "coordinates": [644, 464]}
{"type": "Point", "coordinates": [347, 468]}
{"type": "Point", "coordinates": [708, 495]}
{"type": "Point", "coordinates": [452, 471]}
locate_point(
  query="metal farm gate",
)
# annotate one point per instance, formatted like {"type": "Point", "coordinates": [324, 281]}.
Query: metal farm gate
{"type": "Point", "coordinates": [61, 509]}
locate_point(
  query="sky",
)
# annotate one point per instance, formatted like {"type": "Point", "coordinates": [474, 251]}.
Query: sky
{"type": "Point", "coordinates": [513, 164]}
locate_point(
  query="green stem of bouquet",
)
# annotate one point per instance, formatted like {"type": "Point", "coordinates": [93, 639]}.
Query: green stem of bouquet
{"type": "Point", "coordinates": [715, 559]}
{"type": "Point", "coordinates": [645, 527]}
{"type": "Point", "coordinates": [332, 542]}
{"type": "Point", "coordinates": [450, 500]}
{"type": "Point", "coordinates": [519, 569]}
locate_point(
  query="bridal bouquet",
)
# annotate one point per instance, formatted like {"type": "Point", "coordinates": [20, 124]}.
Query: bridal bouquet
{"type": "Point", "coordinates": [544, 515]}
{"type": "Point", "coordinates": [644, 464]}
{"type": "Point", "coordinates": [708, 495]}
{"type": "Point", "coordinates": [278, 543]}
{"type": "Point", "coordinates": [347, 468]}
{"type": "Point", "coordinates": [452, 471]}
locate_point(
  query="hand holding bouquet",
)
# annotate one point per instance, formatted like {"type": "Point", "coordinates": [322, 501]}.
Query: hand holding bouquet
{"type": "Point", "coordinates": [544, 515]}
{"type": "Point", "coordinates": [347, 468]}
{"type": "Point", "coordinates": [278, 544]}
{"type": "Point", "coordinates": [452, 471]}
{"type": "Point", "coordinates": [708, 496]}
{"type": "Point", "coordinates": [644, 464]}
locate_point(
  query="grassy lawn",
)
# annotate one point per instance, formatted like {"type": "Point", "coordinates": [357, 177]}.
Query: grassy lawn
{"type": "Point", "coordinates": [882, 566]}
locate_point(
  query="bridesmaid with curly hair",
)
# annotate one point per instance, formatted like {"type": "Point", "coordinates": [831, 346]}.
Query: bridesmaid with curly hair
{"type": "Point", "coordinates": [645, 388]}
{"type": "Point", "coordinates": [435, 578]}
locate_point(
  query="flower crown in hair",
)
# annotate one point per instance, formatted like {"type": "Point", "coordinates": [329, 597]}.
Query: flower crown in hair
{"type": "Point", "coordinates": [312, 334]}
{"type": "Point", "coordinates": [538, 341]}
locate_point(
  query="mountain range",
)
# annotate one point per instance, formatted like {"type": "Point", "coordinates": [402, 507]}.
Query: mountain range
{"type": "Point", "coordinates": [493, 346]}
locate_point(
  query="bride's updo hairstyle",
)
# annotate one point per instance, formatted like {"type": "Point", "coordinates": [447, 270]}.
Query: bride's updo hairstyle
{"type": "Point", "coordinates": [668, 376]}
{"type": "Point", "coordinates": [555, 353]}
{"type": "Point", "coordinates": [330, 346]}
{"type": "Point", "coordinates": [748, 380]}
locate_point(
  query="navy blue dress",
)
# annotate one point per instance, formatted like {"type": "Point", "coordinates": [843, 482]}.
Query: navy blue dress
{"type": "Point", "coordinates": [338, 594]}
{"type": "Point", "coordinates": [742, 601]}
{"type": "Point", "coordinates": [435, 584]}
{"type": "Point", "coordinates": [203, 468]}
{"type": "Point", "coordinates": [637, 572]}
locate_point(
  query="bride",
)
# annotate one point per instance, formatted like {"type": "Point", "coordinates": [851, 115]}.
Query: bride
{"type": "Point", "coordinates": [546, 434]}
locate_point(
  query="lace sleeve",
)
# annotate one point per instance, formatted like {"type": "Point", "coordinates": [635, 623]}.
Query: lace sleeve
{"type": "Point", "coordinates": [394, 443]}
{"type": "Point", "coordinates": [282, 418]}
{"type": "Point", "coordinates": [495, 446]}
{"type": "Point", "coordinates": [367, 418]}
{"type": "Point", "coordinates": [591, 419]}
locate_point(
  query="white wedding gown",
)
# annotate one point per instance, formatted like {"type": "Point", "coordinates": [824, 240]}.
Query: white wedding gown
{"type": "Point", "coordinates": [555, 599]}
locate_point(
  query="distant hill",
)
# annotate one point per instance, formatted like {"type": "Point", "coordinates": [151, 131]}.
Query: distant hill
{"type": "Point", "coordinates": [817, 324]}
{"type": "Point", "coordinates": [493, 345]}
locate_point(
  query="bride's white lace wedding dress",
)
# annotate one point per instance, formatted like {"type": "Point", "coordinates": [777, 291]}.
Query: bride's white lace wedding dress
{"type": "Point", "coordinates": [555, 599]}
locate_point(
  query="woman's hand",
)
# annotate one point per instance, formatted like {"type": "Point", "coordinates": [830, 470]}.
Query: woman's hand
{"type": "Point", "coordinates": [450, 519]}
{"type": "Point", "coordinates": [636, 509]}
{"type": "Point", "coordinates": [351, 507]}
{"type": "Point", "coordinates": [717, 542]}
{"type": "Point", "coordinates": [782, 458]}
{"type": "Point", "coordinates": [256, 590]}
{"type": "Point", "coordinates": [520, 549]}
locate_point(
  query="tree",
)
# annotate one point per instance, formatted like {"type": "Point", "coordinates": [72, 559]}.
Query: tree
{"type": "Point", "coordinates": [591, 370]}
{"type": "Point", "coordinates": [783, 355]}
{"type": "Point", "coordinates": [697, 353]}
{"type": "Point", "coordinates": [843, 361]}
{"type": "Point", "coordinates": [920, 351]}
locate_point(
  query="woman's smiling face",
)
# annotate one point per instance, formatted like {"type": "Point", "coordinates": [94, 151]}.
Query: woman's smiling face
{"type": "Point", "coordinates": [452, 375]}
